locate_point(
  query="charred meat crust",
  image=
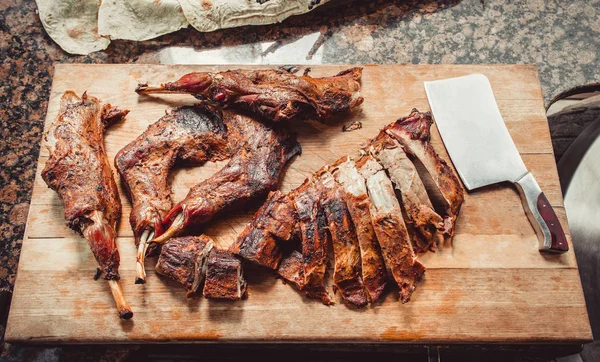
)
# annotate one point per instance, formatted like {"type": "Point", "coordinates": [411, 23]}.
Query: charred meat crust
{"type": "Point", "coordinates": [413, 132]}
{"type": "Point", "coordinates": [426, 222]}
{"type": "Point", "coordinates": [274, 94]}
{"type": "Point", "coordinates": [389, 226]}
{"type": "Point", "coordinates": [224, 277]}
{"type": "Point", "coordinates": [184, 259]}
{"type": "Point", "coordinates": [356, 197]}
{"type": "Point", "coordinates": [193, 134]}
{"type": "Point", "coordinates": [291, 269]}
{"type": "Point", "coordinates": [254, 169]}
{"type": "Point", "coordinates": [312, 226]}
{"type": "Point", "coordinates": [79, 171]}
{"type": "Point", "coordinates": [347, 266]}
{"type": "Point", "coordinates": [276, 219]}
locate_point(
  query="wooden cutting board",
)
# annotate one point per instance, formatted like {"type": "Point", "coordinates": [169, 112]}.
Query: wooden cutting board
{"type": "Point", "coordinates": [492, 286]}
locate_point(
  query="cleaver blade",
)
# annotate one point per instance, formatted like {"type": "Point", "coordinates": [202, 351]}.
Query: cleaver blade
{"type": "Point", "coordinates": [483, 152]}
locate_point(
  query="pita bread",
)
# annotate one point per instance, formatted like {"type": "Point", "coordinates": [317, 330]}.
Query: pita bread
{"type": "Point", "coordinates": [210, 15]}
{"type": "Point", "coordinates": [73, 24]}
{"type": "Point", "coordinates": [140, 19]}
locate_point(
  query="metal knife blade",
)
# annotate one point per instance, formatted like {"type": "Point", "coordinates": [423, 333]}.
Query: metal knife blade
{"type": "Point", "coordinates": [473, 131]}
{"type": "Point", "coordinates": [483, 152]}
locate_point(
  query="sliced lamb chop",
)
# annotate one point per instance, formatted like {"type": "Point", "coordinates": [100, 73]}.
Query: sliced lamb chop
{"type": "Point", "coordinates": [224, 277]}
{"type": "Point", "coordinates": [274, 94]}
{"type": "Point", "coordinates": [291, 269]}
{"type": "Point", "coordinates": [185, 260]}
{"type": "Point", "coordinates": [428, 225]}
{"type": "Point", "coordinates": [347, 273]}
{"type": "Point", "coordinates": [390, 229]}
{"type": "Point", "coordinates": [312, 222]}
{"type": "Point", "coordinates": [79, 171]}
{"type": "Point", "coordinates": [413, 132]}
{"type": "Point", "coordinates": [195, 134]}
{"type": "Point", "coordinates": [357, 200]}
{"type": "Point", "coordinates": [254, 169]}
{"type": "Point", "coordinates": [276, 219]}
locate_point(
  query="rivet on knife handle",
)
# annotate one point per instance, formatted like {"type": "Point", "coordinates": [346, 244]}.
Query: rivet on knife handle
{"type": "Point", "coordinates": [541, 215]}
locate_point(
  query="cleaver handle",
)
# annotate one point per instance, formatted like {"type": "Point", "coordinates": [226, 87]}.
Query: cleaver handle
{"type": "Point", "coordinates": [541, 215]}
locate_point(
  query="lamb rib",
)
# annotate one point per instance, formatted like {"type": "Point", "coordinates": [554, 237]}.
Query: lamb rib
{"type": "Point", "coordinates": [347, 271]}
{"type": "Point", "coordinates": [79, 171]}
{"type": "Point", "coordinates": [390, 229]}
{"type": "Point", "coordinates": [185, 261]}
{"type": "Point", "coordinates": [428, 225]}
{"type": "Point", "coordinates": [194, 134]}
{"type": "Point", "coordinates": [224, 277]}
{"type": "Point", "coordinates": [414, 132]}
{"type": "Point", "coordinates": [254, 169]}
{"type": "Point", "coordinates": [274, 94]}
{"type": "Point", "coordinates": [357, 200]}
{"type": "Point", "coordinates": [276, 219]}
{"type": "Point", "coordinates": [312, 225]}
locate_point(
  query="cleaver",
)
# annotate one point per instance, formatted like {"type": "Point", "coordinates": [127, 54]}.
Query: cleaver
{"type": "Point", "coordinates": [483, 152]}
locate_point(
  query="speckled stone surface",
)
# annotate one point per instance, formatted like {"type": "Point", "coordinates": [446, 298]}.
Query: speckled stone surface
{"type": "Point", "coordinates": [561, 37]}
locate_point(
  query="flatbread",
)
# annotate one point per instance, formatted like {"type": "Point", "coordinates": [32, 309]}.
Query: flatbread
{"type": "Point", "coordinates": [140, 19]}
{"type": "Point", "coordinates": [73, 24]}
{"type": "Point", "coordinates": [210, 15]}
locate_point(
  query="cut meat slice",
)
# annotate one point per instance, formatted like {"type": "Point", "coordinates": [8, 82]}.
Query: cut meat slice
{"type": "Point", "coordinates": [312, 224]}
{"type": "Point", "coordinates": [428, 225]}
{"type": "Point", "coordinates": [413, 132]}
{"type": "Point", "coordinates": [184, 259]}
{"type": "Point", "coordinates": [347, 271]}
{"type": "Point", "coordinates": [291, 269]}
{"type": "Point", "coordinates": [224, 277]}
{"type": "Point", "coordinates": [390, 229]}
{"type": "Point", "coordinates": [192, 133]}
{"type": "Point", "coordinates": [357, 200]}
{"type": "Point", "coordinates": [277, 218]}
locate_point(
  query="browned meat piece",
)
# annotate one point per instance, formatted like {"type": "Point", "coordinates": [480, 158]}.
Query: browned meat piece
{"type": "Point", "coordinates": [291, 269]}
{"type": "Point", "coordinates": [276, 219]}
{"type": "Point", "coordinates": [254, 169]}
{"type": "Point", "coordinates": [390, 229]}
{"type": "Point", "coordinates": [192, 133]}
{"type": "Point", "coordinates": [312, 222]}
{"type": "Point", "coordinates": [185, 260]}
{"type": "Point", "coordinates": [224, 277]}
{"type": "Point", "coordinates": [79, 171]}
{"type": "Point", "coordinates": [273, 93]}
{"type": "Point", "coordinates": [347, 273]}
{"type": "Point", "coordinates": [428, 225]}
{"type": "Point", "coordinates": [357, 200]}
{"type": "Point", "coordinates": [413, 132]}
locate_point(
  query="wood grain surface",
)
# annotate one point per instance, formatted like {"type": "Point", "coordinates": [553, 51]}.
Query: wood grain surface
{"type": "Point", "coordinates": [493, 286]}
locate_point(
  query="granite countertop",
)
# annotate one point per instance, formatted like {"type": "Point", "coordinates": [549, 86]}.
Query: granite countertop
{"type": "Point", "coordinates": [561, 37]}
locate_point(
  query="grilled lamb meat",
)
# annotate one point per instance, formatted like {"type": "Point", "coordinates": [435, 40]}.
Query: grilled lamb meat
{"type": "Point", "coordinates": [347, 273]}
{"type": "Point", "coordinates": [362, 210]}
{"type": "Point", "coordinates": [291, 269]}
{"type": "Point", "coordinates": [312, 223]}
{"type": "Point", "coordinates": [413, 132]}
{"type": "Point", "coordinates": [254, 169]}
{"type": "Point", "coordinates": [274, 94]}
{"type": "Point", "coordinates": [390, 229]}
{"type": "Point", "coordinates": [194, 134]}
{"type": "Point", "coordinates": [428, 225]}
{"type": "Point", "coordinates": [357, 200]}
{"type": "Point", "coordinates": [275, 220]}
{"type": "Point", "coordinates": [185, 260]}
{"type": "Point", "coordinates": [79, 171]}
{"type": "Point", "coordinates": [224, 277]}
